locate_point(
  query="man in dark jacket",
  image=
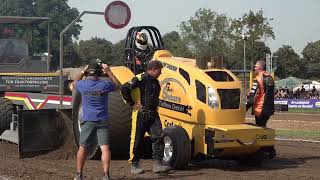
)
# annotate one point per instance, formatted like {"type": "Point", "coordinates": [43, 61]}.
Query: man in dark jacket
{"type": "Point", "coordinates": [145, 117]}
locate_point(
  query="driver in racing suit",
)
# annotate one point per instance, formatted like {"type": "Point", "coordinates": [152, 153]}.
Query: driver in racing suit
{"type": "Point", "coordinates": [142, 51]}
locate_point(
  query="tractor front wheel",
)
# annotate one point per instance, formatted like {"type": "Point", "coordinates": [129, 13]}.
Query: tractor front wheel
{"type": "Point", "coordinates": [177, 150]}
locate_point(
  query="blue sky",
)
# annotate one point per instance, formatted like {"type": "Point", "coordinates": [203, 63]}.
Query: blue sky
{"type": "Point", "coordinates": [295, 22]}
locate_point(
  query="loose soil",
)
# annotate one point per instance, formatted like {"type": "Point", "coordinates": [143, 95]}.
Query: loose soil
{"type": "Point", "coordinates": [295, 121]}
{"type": "Point", "coordinates": [295, 160]}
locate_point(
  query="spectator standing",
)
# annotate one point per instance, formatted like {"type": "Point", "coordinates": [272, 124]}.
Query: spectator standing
{"type": "Point", "coordinates": [314, 93]}
{"type": "Point", "coordinates": [302, 92]}
{"type": "Point", "coordinates": [94, 128]}
{"type": "Point", "coordinates": [261, 95]}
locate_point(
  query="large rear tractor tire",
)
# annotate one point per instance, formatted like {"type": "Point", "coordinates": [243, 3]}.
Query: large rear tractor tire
{"type": "Point", "coordinates": [6, 110]}
{"type": "Point", "coordinates": [177, 150]}
{"type": "Point", "coordinates": [119, 125]}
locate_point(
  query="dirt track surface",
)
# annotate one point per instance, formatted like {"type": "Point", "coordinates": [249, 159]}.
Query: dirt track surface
{"type": "Point", "coordinates": [296, 121]}
{"type": "Point", "coordinates": [295, 160]}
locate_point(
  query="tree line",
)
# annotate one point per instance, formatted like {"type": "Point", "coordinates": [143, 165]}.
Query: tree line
{"type": "Point", "coordinates": [203, 36]}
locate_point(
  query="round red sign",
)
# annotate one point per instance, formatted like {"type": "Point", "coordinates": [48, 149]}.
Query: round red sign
{"type": "Point", "coordinates": [117, 14]}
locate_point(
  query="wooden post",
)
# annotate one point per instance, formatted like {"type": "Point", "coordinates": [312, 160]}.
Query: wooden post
{"type": "Point", "coordinates": [217, 62]}
{"type": "Point", "coordinates": [201, 62]}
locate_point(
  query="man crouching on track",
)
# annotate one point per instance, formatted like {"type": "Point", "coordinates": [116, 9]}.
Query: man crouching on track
{"type": "Point", "coordinates": [94, 93]}
{"type": "Point", "coordinates": [145, 117]}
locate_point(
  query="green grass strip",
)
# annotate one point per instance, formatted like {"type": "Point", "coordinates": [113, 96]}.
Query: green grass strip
{"type": "Point", "coordinates": [304, 110]}
{"type": "Point", "coordinates": [299, 134]}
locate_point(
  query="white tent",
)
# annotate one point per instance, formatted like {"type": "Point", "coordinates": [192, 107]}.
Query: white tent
{"type": "Point", "coordinates": [290, 82]}
{"type": "Point", "coordinates": [309, 86]}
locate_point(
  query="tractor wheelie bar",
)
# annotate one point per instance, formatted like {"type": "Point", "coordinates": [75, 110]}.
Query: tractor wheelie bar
{"type": "Point", "coordinates": [201, 111]}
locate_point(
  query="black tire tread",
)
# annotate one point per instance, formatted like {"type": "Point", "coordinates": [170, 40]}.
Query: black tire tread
{"type": "Point", "coordinates": [120, 124]}
{"type": "Point", "coordinates": [6, 110]}
{"type": "Point", "coordinates": [182, 147]}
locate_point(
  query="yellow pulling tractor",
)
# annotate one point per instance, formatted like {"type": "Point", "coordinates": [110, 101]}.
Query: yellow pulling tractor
{"type": "Point", "coordinates": [202, 111]}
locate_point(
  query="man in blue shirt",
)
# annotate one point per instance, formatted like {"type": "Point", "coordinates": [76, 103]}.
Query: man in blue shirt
{"type": "Point", "coordinates": [94, 128]}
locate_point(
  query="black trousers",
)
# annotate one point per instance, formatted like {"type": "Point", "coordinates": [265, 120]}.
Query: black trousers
{"type": "Point", "coordinates": [147, 121]}
{"type": "Point", "coordinates": [262, 120]}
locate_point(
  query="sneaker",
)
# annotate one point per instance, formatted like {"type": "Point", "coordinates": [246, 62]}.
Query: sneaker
{"type": "Point", "coordinates": [159, 167]}
{"type": "Point", "coordinates": [106, 176]}
{"type": "Point", "coordinates": [78, 176]}
{"type": "Point", "coordinates": [136, 169]}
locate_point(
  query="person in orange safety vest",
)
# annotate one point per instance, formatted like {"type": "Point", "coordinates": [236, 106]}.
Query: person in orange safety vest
{"type": "Point", "coordinates": [261, 95]}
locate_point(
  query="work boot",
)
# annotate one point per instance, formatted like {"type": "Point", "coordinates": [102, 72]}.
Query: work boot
{"type": "Point", "coordinates": [106, 176]}
{"type": "Point", "coordinates": [159, 167]}
{"type": "Point", "coordinates": [78, 176]}
{"type": "Point", "coordinates": [136, 169]}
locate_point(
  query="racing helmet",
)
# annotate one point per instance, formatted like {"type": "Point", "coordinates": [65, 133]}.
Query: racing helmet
{"type": "Point", "coordinates": [95, 67]}
{"type": "Point", "coordinates": [141, 40]}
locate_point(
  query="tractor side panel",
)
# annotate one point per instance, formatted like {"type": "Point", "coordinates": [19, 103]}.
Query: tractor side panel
{"type": "Point", "coordinates": [175, 95]}
{"type": "Point", "coordinates": [224, 140]}
{"type": "Point", "coordinates": [35, 101]}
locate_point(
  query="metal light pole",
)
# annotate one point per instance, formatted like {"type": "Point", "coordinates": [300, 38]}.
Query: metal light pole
{"type": "Point", "coordinates": [244, 54]}
{"type": "Point", "coordinates": [61, 49]}
{"type": "Point", "coordinates": [244, 38]}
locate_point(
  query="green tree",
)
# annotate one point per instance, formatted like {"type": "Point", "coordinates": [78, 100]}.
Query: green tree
{"type": "Point", "coordinates": [71, 56]}
{"type": "Point", "coordinates": [259, 50]}
{"type": "Point", "coordinates": [176, 45]}
{"type": "Point", "coordinates": [253, 24]}
{"type": "Point", "coordinates": [118, 53]}
{"type": "Point", "coordinates": [17, 7]}
{"type": "Point", "coordinates": [96, 48]}
{"type": "Point", "coordinates": [60, 15]}
{"type": "Point", "coordinates": [207, 34]}
{"type": "Point", "coordinates": [288, 62]}
{"type": "Point", "coordinates": [311, 58]}
{"type": "Point", "coordinates": [257, 27]}
{"type": "Point", "coordinates": [235, 57]}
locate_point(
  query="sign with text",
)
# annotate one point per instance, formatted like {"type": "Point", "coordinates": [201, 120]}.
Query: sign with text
{"type": "Point", "coordinates": [30, 83]}
{"type": "Point", "coordinates": [299, 103]}
{"type": "Point", "coordinates": [175, 107]}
